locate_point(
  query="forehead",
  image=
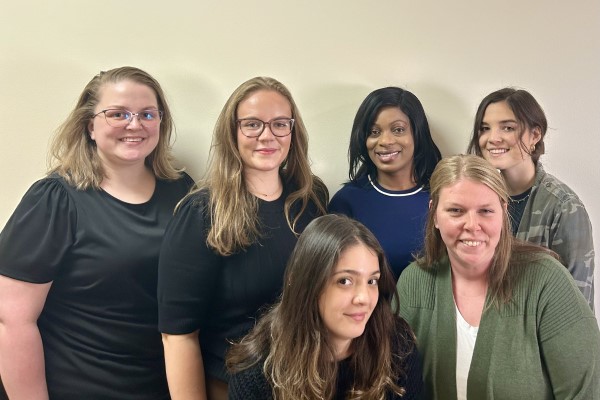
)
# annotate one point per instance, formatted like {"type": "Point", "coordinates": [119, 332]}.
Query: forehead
{"type": "Point", "coordinates": [126, 90]}
{"type": "Point", "coordinates": [468, 191]}
{"type": "Point", "coordinates": [389, 114]}
{"type": "Point", "coordinates": [263, 100]}
{"type": "Point", "coordinates": [499, 111]}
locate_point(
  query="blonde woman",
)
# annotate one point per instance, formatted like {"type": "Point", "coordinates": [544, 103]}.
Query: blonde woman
{"type": "Point", "coordinates": [494, 316]}
{"type": "Point", "coordinates": [225, 251]}
{"type": "Point", "coordinates": [79, 256]}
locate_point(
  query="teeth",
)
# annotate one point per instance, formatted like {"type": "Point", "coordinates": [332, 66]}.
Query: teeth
{"type": "Point", "coordinates": [386, 156]}
{"type": "Point", "coordinates": [129, 139]}
{"type": "Point", "coordinates": [471, 243]}
{"type": "Point", "coordinates": [497, 151]}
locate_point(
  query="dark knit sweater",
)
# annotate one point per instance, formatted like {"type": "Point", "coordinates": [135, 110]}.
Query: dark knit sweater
{"type": "Point", "coordinates": [251, 383]}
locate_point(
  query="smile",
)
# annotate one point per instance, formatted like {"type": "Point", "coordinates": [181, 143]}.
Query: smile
{"type": "Point", "coordinates": [358, 317]}
{"type": "Point", "coordinates": [387, 156]}
{"type": "Point", "coordinates": [471, 243]}
{"type": "Point", "coordinates": [498, 151]}
{"type": "Point", "coordinates": [131, 139]}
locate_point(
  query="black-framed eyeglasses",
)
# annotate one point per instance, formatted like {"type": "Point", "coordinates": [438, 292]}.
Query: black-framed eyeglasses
{"type": "Point", "coordinates": [254, 127]}
{"type": "Point", "coordinates": [119, 118]}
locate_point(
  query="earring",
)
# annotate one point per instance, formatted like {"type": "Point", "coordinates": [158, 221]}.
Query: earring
{"type": "Point", "coordinates": [532, 148]}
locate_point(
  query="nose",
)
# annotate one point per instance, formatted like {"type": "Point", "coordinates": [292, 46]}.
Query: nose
{"type": "Point", "coordinates": [360, 294]}
{"type": "Point", "coordinates": [135, 122]}
{"type": "Point", "coordinates": [386, 137]}
{"type": "Point", "coordinates": [472, 221]}
{"type": "Point", "coordinates": [495, 135]}
{"type": "Point", "coordinates": [264, 135]}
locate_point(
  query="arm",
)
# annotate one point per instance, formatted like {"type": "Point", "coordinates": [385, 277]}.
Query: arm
{"type": "Point", "coordinates": [573, 241]}
{"type": "Point", "coordinates": [21, 352]}
{"type": "Point", "coordinates": [185, 369]}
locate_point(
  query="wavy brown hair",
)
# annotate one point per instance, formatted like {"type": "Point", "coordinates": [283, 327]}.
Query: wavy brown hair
{"type": "Point", "coordinates": [233, 209]}
{"type": "Point", "coordinates": [73, 153]}
{"type": "Point", "coordinates": [292, 339]}
{"type": "Point", "coordinates": [504, 271]}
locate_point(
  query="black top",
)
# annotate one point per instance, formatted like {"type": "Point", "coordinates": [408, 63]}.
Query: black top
{"type": "Point", "coordinates": [251, 384]}
{"type": "Point", "coordinates": [221, 296]}
{"type": "Point", "coordinates": [516, 208]}
{"type": "Point", "coordinates": [99, 322]}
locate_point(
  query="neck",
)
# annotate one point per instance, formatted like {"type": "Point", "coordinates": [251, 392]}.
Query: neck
{"type": "Point", "coordinates": [267, 186]}
{"type": "Point", "coordinates": [398, 181]}
{"type": "Point", "coordinates": [134, 184]}
{"type": "Point", "coordinates": [519, 178]}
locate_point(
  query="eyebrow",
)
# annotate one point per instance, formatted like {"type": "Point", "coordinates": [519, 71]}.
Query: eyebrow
{"type": "Point", "coordinates": [354, 272]}
{"type": "Point", "coordinates": [393, 122]}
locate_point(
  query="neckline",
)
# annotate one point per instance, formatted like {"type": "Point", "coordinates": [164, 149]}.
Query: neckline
{"type": "Point", "coordinates": [394, 193]}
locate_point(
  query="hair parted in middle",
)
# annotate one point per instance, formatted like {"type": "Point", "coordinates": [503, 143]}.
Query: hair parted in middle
{"type": "Point", "coordinates": [292, 337]}
{"type": "Point", "coordinates": [529, 115]}
{"type": "Point", "coordinates": [233, 208]}
{"type": "Point", "coordinates": [426, 153]}
{"type": "Point", "coordinates": [504, 270]}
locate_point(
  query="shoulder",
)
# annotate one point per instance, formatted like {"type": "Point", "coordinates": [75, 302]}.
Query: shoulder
{"type": "Point", "coordinates": [250, 383]}
{"type": "Point", "coordinates": [554, 189]}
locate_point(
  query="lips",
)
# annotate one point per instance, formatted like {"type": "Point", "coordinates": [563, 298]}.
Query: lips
{"type": "Point", "coordinates": [358, 317]}
{"type": "Point", "coordinates": [387, 155]}
{"type": "Point", "coordinates": [497, 151]}
{"type": "Point", "coordinates": [471, 243]}
{"type": "Point", "coordinates": [131, 139]}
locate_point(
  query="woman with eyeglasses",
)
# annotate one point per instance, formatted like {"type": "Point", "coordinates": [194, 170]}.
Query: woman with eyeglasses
{"type": "Point", "coordinates": [509, 131]}
{"type": "Point", "coordinates": [392, 156]}
{"type": "Point", "coordinates": [79, 256]}
{"type": "Point", "coordinates": [225, 251]}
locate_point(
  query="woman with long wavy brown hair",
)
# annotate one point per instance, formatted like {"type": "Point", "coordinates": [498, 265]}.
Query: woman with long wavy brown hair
{"type": "Point", "coordinates": [333, 335]}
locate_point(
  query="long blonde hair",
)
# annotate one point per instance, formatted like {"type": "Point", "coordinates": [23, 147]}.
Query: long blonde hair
{"type": "Point", "coordinates": [73, 153]}
{"type": "Point", "coordinates": [233, 209]}
{"type": "Point", "coordinates": [503, 272]}
{"type": "Point", "coordinates": [292, 338]}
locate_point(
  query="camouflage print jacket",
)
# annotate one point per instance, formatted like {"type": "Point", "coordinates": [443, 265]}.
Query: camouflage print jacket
{"type": "Point", "coordinates": [554, 217]}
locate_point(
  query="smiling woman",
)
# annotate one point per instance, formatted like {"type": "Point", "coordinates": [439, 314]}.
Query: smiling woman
{"type": "Point", "coordinates": [392, 156]}
{"type": "Point", "coordinates": [477, 294]}
{"type": "Point", "coordinates": [79, 256]}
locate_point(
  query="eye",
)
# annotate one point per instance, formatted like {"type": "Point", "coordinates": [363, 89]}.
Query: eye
{"type": "Point", "coordinates": [373, 281]}
{"type": "Point", "coordinates": [487, 211]}
{"type": "Point", "coordinates": [454, 210]}
{"type": "Point", "coordinates": [149, 115]}
{"type": "Point", "coordinates": [281, 123]}
{"type": "Point", "coordinates": [483, 129]}
{"type": "Point", "coordinates": [251, 124]}
{"type": "Point", "coordinates": [344, 281]}
{"type": "Point", "coordinates": [508, 128]}
{"type": "Point", "coordinates": [374, 132]}
{"type": "Point", "coordinates": [398, 130]}
{"type": "Point", "coordinates": [118, 114]}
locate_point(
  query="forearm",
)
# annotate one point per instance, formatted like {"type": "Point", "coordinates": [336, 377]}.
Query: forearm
{"type": "Point", "coordinates": [22, 362]}
{"type": "Point", "coordinates": [185, 369]}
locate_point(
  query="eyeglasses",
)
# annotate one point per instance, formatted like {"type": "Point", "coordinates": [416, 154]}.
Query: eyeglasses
{"type": "Point", "coordinates": [252, 127]}
{"type": "Point", "coordinates": [119, 118]}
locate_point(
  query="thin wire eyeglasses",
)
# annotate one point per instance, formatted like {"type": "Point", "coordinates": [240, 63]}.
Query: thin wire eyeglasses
{"type": "Point", "coordinates": [254, 127]}
{"type": "Point", "coordinates": [119, 118]}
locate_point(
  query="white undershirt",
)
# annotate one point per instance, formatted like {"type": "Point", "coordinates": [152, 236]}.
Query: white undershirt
{"type": "Point", "coordinates": [466, 335]}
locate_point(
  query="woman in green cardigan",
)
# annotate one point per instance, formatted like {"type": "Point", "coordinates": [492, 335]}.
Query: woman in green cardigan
{"type": "Point", "coordinates": [495, 318]}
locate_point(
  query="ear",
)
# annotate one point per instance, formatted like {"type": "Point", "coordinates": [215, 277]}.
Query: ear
{"type": "Point", "coordinates": [434, 217]}
{"type": "Point", "coordinates": [90, 129]}
{"type": "Point", "coordinates": [536, 135]}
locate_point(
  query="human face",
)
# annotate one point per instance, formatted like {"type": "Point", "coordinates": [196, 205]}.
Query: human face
{"type": "Point", "coordinates": [130, 144]}
{"type": "Point", "coordinates": [391, 147]}
{"type": "Point", "coordinates": [350, 295]}
{"type": "Point", "coordinates": [266, 152]}
{"type": "Point", "coordinates": [469, 216]}
{"type": "Point", "coordinates": [500, 139]}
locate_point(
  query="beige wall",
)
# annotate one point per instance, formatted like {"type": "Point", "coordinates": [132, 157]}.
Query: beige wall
{"type": "Point", "coordinates": [329, 53]}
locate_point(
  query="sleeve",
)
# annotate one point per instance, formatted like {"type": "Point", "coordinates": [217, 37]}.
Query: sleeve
{"type": "Point", "coordinates": [340, 204]}
{"type": "Point", "coordinates": [569, 340]}
{"type": "Point", "coordinates": [38, 234]}
{"type": "Point", "coordinates": [574, 244]}
{"type": "Point", "coordinates": [249, 384]}
{"type": "Point", "coordinates": [187, 271]}
{"type": "Point", "coordinates": [412, 379]}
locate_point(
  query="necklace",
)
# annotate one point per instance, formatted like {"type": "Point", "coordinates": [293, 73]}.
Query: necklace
{"type": "Point", "coordinates": [262, 194]}
{"type": "Point", "coordinates": [518, 201]}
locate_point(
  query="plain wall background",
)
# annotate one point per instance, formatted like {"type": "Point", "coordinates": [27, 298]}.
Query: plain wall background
{"type": "Point", "coordinates": [330, 54]}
